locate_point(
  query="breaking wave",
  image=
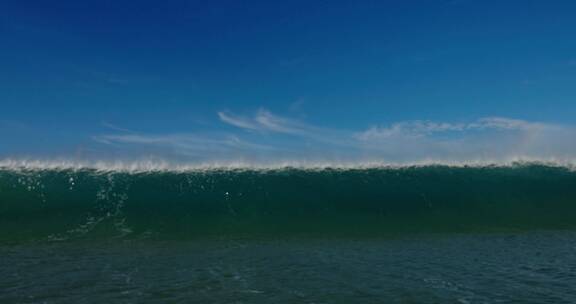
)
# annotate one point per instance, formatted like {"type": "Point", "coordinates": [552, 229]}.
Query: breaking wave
{"type": "Point", "coordinates": [41, 200]}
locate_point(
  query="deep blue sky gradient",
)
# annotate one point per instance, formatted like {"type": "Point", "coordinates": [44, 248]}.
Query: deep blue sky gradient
{"type": "Point", "coordinates": [70, 68]}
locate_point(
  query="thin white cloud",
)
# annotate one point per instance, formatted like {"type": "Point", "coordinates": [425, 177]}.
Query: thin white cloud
{"type": "Point", "coordinates": [279, 124]}
{"type": "Point", "coordinates": [115, 127]}
{"type": "Point", "coordinates": [265, 121]}
{"type": "Point", "coordinates": [503, 123]}
{"type": "Point", "coordinates": [187, 144]}
{"type": "Point", "coordinates": [420, 128]}
{"type": "Point", "coordinates": [485, 138]}
{"type": "Point", "coordinates": [238, 121]}
{"type": "Point", "coordinates": [276, 138]}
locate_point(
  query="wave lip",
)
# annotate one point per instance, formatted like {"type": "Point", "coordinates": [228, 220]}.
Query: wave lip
{"type": "Point", "coordinates": [168, 166]}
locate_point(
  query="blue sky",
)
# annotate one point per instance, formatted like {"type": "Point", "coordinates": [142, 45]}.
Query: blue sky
{"type": "Point", "coordinates": [379, 80]}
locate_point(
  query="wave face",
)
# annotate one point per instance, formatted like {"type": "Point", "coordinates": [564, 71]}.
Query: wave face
{"type": "Point", "coordinates": [85, 203]}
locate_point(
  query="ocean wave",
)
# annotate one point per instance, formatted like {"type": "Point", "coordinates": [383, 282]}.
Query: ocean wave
{"type": "Point", "coordinates": [67, 200]}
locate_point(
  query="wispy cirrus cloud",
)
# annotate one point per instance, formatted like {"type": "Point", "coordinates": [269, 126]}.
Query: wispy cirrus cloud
{"type": "Point", "coordinates": [493, 138]}
{"type": "Point", "coordinates": [267, 136]}
{"type": "Point", "coordinates": [186, 144]}
{"type": "Point", "coordinates": [238, 121]}
{"type": "Point", "coordinates": [265, 121]}
{"type": "Point", "coordinates": [421, 128]}
{"type": "Point", "coordinates": [115, 127]}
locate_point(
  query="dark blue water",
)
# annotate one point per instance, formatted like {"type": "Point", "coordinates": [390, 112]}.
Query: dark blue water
{"type": "Point", "coordinates": [535, 267]}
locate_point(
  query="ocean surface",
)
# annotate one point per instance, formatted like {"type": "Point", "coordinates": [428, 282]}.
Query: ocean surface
{"type": "Point", "coordinates": [434, 233]}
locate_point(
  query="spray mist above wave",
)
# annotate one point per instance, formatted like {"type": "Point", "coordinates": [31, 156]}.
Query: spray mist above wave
{"type": "Point", "coordinates": [168, 166]}
{"type": "Point", "coordinates": [268, 141]}
{"type": "Point", "coordinates": [140, 166]}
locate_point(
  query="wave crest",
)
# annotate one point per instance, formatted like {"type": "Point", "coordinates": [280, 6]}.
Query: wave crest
{"type": "Point", "coordinates": [143, 166]}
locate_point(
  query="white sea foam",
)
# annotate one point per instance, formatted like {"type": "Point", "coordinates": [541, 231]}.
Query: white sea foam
{"type": "Point", "coordinates": [143, 166]}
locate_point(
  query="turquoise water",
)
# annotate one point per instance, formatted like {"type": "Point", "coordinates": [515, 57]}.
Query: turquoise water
{"type": "Point", "coordinates": [412, 234]}
{"type": "Point", "coordinates": [63, 204]}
